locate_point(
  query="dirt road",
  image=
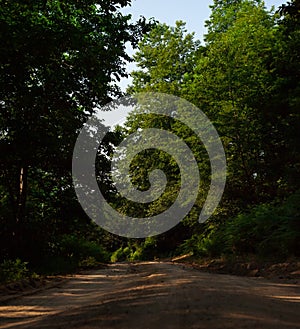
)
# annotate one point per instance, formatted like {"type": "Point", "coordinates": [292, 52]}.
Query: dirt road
{"type": "Point", "coordinates": [156, 295]}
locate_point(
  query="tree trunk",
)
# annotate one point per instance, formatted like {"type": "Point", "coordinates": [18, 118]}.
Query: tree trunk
{"type": "Point", "coordinates": [20, 211]}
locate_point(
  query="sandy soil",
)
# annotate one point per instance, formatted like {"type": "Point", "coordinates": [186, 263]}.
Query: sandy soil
{"type": "Point", "coordinates": [156, 295]}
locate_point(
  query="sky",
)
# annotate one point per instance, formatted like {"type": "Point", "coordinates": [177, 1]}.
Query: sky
{"type": "Point", "coordinates": [193, 12]}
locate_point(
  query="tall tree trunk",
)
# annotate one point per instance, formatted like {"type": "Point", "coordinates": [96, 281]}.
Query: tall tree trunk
{"type": "Point", "coordinates": [20, 211]}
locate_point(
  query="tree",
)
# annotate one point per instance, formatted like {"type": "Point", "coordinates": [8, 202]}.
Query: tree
{"type": "Point", "coordinates": [165, 55]}
{"type": "Point", "coordinates": [59, 60]}
{"type": "Point", "coordinates": [164, 58]}
{"type": "Point", "coordinates": [285, 100]}
{"type": "Point", "coordinates": [222, 17]}
{"type": "Point", "coordinates": [234, 79]}
{"type": "Point", "coordinates": [232, 83]}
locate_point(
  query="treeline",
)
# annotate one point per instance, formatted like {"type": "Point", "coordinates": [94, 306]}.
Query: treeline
{"type": "Point", "coordinates": [246, 79]}
{"type": "Point", "coordinates": [60, 60]}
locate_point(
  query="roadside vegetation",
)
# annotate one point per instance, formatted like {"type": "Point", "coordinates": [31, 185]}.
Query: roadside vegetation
{"type": "Point", "coordinates": [59, 60]}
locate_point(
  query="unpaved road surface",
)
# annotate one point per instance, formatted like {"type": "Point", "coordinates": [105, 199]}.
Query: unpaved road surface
{"type": "Point", "coordinates": [156, 295]}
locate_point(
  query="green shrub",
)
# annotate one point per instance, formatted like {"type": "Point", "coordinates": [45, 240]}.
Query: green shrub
{"type": "Point", "coordinates": [89, 262]}
{"type": "Point", "coordinates": [204, 245]}
{"type": "Point", "coordinates": [136, 250]}
{"type": "Point", "coordinates": [13, 270]}
{"type": "Point", "coordinates": [118, 255]}
{"type": "Point", "coordinates": [268, 230]}
{"type": "Point", "coordinates": [71, 252]}
{"type": "Point", "coordinates": [78, 249]}
{"type": "Point", "coordinates": [137, 254]}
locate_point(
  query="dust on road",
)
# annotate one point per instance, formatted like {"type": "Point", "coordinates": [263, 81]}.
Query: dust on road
{"type": "Point", "coordinates": [154, 295]}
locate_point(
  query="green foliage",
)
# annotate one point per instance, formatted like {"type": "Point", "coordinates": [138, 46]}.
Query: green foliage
{"type": "Point", "coordinates": [233, 82]}
{"type": "Point", "coordinates": [165, 55]}
{"type": "Point", "coordinates": [13, 270]}
{"type": "Point", "coordinates": [146, 250]}
{"type": "Point", "coordinates": [118, 256]}
{"type": "Point", "coordinates": [89, 262]}
{"type": "Point", "coordinates": [70, 252]}
{"type": "Point", "coordinates": [205, 244]}
{"type": "Point", "coordinates": [246, 80]}
{"type": "Point", "coordinates": [59, 61]}
{"type": "Point", "coordinates": [137, 250]}
{"type": "Point", "coordinates": [78, 249]}
{"type": "Point", "coordinates": [268, 230]}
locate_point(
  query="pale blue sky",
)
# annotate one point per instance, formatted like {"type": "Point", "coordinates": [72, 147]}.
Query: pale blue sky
{"type": "Point", "coordinates": [193, 12]}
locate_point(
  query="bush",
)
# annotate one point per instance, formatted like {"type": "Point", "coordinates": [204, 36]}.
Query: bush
{"type": "Point", "coordinates": [203, 245]}
{"type": "Point", "coordinates": [71, 252]}
{"type": "Point", "coordinates": [138, 250]}
{"type": "Point", "coordinates": [118, 256]}
{"type": "Point", "coordinates": [78, 249]}
{"type": "Point", "coordinates": [13, 270]}
{"type": "Point", "coordinates": [268, 230]}
{"type": "Point", "coordinates": [89, 262]}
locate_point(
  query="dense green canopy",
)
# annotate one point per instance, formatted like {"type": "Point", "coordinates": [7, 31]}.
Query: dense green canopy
{"type": "Point", "coordinates": [61, 60]}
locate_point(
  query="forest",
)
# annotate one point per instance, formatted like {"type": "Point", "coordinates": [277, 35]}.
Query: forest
{"type": "Point", "coordinates": [62, 60]}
